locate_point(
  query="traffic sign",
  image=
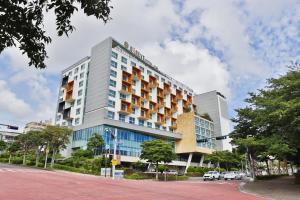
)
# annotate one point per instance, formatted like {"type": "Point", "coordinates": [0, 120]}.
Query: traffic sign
{"type": "Point", "coordinates": [113, 162]}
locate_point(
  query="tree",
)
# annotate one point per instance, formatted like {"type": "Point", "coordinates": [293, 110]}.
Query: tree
{"type": "Point", "coordinates": [95, 143]}
{"type": "Point", "coordinates": [56, 138]}
{"type": "Point", "coordinates": [25, 142]}
{"type": "Point", "coordinates": [3, 146]}
{"type": "Point", "coordinates": [12, 149]}
{"type": "Point", "coordinates": [157, 151]}
{"type": "Point", "coordinates": [22, 23]}
{"type": "Point", "coordinates": [38, 141]}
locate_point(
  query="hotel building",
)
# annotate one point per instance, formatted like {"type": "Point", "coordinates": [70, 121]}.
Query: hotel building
{"type": "Point", "coordinates": [117, 88]}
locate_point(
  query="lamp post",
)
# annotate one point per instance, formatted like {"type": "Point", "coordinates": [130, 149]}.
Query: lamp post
{"type": "Point", "coordinates": [114, 136]}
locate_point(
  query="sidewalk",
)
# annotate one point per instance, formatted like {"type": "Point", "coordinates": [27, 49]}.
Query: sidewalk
{"type": "Point", "coordinates": [277, 189]}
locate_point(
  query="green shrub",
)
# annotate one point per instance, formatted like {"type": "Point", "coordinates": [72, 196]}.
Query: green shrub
{"type": "Point", "coordinates": [4, 160]}
{"type": "Point", "coordinates": [136, 176]}
{"type": "Point", "coordinates": [71, 169]}
{"type": "Point", "coordinates": [4, 155]}
{"type": "Point", "coordinates": [17, 160]}
{"type": "Point", "coordinates": [172, 178]}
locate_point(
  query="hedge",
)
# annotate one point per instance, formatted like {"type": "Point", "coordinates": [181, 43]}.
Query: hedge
{"type": "Point", "coordinates": [269, 177]}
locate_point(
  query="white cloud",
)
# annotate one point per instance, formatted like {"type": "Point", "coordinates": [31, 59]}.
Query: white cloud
{"type": "Point", "coordinates": [191, 65]}
{"type": "Point", "coordinates": [10, 103]}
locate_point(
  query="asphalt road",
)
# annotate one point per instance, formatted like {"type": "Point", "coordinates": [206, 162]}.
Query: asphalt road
{"type": "Point", "coordinates": [19, 183]}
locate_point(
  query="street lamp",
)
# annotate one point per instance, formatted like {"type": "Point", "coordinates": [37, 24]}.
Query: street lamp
{"type": "Point", "coordinates": [114, 136]}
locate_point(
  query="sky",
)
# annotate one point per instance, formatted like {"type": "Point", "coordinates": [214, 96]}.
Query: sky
{"type": "Point", "coordinates": [230, 46]}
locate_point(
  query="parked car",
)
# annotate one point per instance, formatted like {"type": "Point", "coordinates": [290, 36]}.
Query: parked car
{"type": "Point", "coordinates": [211, 175]}
{"type": "Point", "coordinates": [230, 176]}
{"type": "Point", "coordinates": [222, 175]}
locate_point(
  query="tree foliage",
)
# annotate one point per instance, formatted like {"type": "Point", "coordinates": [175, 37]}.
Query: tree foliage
{"type": "Point", "coordinates": [3, 145]}
{"type": "Point", "coordinates": [22, 23]}
{"type": "Point", "coordinates": [95, 143]}
{"type": "Point", "coordinates": [269, 125]}
{"type": "Point", "coordinates": [157, 151]}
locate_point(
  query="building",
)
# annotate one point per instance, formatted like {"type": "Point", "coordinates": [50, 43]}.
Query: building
{"type": "Point", "coordinates": [215, 104]}
{"type": "Point", "coordinates": [36, 126]}
{"type": "Point", "coordinates": [8, 136]}
{"type": "Point", "coordinates": [117, 88]}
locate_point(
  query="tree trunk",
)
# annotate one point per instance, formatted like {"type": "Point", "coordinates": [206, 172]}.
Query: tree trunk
{"type": "Point", "coordinates": [251, 165]}
{"type": "Point", "coordinates": [286, 167]}
{"type": "Point", "coordinates": [9, 159]}
{"type": "Point", "coordinates": [46, 158]}
{"type": "Point", "coordinates": [268, 169]}
{"type": "Point", "coordinates": [156, 175]}
{"type": "Point", "coordinates": [24, 158]}
{"type": "Point", "coordinates": [279, 172]}
{"type": "Point", "coordinates": [292, 169]}
{"type": "Point", "coordinates": [53, 158]}
{"type": "Point", "coordinates": [37, 158]}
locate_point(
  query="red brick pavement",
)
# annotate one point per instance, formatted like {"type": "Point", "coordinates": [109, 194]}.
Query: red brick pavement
{"type": "Point", "coordinates": [24, 184]}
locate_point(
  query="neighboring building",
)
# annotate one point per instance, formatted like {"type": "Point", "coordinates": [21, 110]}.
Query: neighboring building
{"type": "Point", "coordinates": [117, 88]}
{"type": "Point", "coordinates": [215, 104]}
{"type": "Point", "coordinates": [36, 126]}
{"type": "Point", "coordinates": [8, 136]}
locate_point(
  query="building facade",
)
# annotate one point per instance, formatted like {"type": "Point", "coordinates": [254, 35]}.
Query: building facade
{"type": "Point", "coordinates": [36, 126]}
{"type": "Point", "coordinates": [8, 136]}
{"type": "Point", "coordinates": [215, 104]}
{"type": "Point", "coordinates": [117, 88]}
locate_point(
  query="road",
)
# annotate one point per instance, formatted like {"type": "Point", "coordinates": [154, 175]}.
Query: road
{"type": "Point", "coordinates": [19, 183]}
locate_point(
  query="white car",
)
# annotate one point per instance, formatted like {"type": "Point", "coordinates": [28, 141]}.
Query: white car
{"type": "Point", "coordinates": [211, 175]}
{"type": "Point", "coordinates": [230, 176]}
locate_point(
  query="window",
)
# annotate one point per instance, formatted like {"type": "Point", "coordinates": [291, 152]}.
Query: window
{"type": "Point", "coordinates": [113, 73]}
{"type": "Point", "coordinates": [80, 83]}
{"type": "Point", "coordinates": [133, 110]}
{"type": "Point", "coordinates": [134, 82]}
{"type": "Point", "coordinates": [77, 121]}
{"type": "Point", "coordinates": [111, 103]}
{"type": "Point", "coordinates": [76, 70]}
{"type": "Point", "coordinates": [149, 124]}
{"type": "Point", "coordinates": [110, 115]}
{"type": "Point", "coordinates": [78, 102]}
{"type": "Point", "coordinates": [133, 91]}
{"type": "Point", "coordinates": [175, 86]}
{"type": "Point", "coordinates": [79, 92]}
{"type": "Point", "coordinates": [131, 120]}
{"type": "Point", "coordinates": [156, 76]}
{"type": "Point", "coordinates": [122, 96]}
{"type": "Point", "coordinates": [164, 128]}
{"type": "Point", "coordinates": [75, 78]}
{"type": "Point", "coordinates": [114, 55]}
{"type": "Point", "coordinates": [70, 73]}
{"type": "Point", "coordinates": [185, 92]}
{"type": "Point", "coordinates": [123, 68]}
{"type": "Point", "coordinates": [133, 64]}
{"type": "Point", "coordinates": [142, 68]}
{"type": "Point", "coordinates": [122, 118]}
{"type": "Point", "coordinates": [141, 122]}
{"type": "Point", "coordinates": [112, 93]}
{"type": "Point", "coordinates": [157, 126]}
{"type": "Point", "coordinates": [124, 60]}
{"type": "Point", "coordinates": [113, 64]}
{"type": "Point", "coordinates": [81, 75]}
{"type": "Point", "coordinates": [77, 111]}
{"type": "Point", "coordinates": [143, 77]}
{"type": "Point", "coordinates": [112, 83]}
{"type": "Point", "coordinates": [163, 80]}
{"type": "Point", "coordinates": [149, 72]}
{"type": "Point", "coordinates": [82, 67]}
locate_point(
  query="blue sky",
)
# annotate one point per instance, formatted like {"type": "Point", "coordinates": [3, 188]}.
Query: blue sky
{"type": "Point", "coordinates": [230, 46]}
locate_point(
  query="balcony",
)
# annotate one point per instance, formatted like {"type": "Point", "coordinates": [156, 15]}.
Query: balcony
{"type": "Point", "coordinates": [145, 114]}
{"type": "Point", "coordinates": [61, 107]}
{"type": "Point", "coordinates": [145, 96]}
{"type": "Point", "coordinates": [64, 81]}
{"type": "Point", "coordinates": [153, 107]}
{"type": "Point", "coordinates": [67, 114]}
{"type": "Point", "coordinates": [168, 112]}
{"type": "Point", "coordinates": [153, 81]}
{"type": "Point", "coordinates": [179, 94]}
{"type": "Point", "coordinates": [126, 78]}
{"type": "Point", "coordinates": [137, 74]}
{"type": "Point", "coordinates": [125, 108]}
{"type": "Point", "coordinates": [160, 93]}
{"type": "Point", "coordinates": [160, 120]}
{"type": "Point", "coordinates": [160, 102]}
{"type": "Point", "coordinates": [174, 108]}
{"type": "Point", "coordinates": [126, 89]}
{"type": "Point", "coordinates": [173, 126]}
{"type": "Point", "coordinates": [167, 88]}
{"type": "Point", "coordinates": [69, 97]}
{"type": "Point", "coordinates": [145, 86]}
{"type": "Point", "coordinates": [173, 98]}
{"type": "Point", "coordinates": [136, 101]}
{"type": "Point", "coordinates": [189, 99]}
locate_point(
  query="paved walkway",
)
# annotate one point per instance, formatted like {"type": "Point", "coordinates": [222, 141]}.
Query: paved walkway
{"type": "Point", "coordinates": [17, 183]}
{"type": "Point", "coordinates": [277, 189]}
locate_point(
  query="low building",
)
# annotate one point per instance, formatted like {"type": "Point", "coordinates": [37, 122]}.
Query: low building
{"type": "Point", "coordinates": [8, 136]}
{"type": "Point", "coordinates": [36, 126]}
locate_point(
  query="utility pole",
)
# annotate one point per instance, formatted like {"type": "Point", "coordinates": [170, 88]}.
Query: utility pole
{"type": "Point", "coordinates": [115, 153]}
